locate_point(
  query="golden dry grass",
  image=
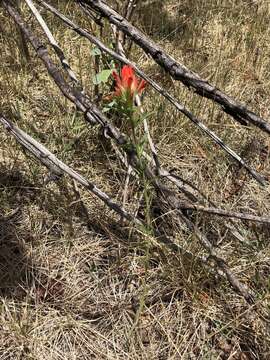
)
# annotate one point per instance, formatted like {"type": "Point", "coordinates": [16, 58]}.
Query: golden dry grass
{"type": "Point", "coordinates": [74, 285]}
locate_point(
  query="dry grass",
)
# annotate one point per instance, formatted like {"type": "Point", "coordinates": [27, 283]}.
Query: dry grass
{"type": "Point", "coordinates": [77, 286]}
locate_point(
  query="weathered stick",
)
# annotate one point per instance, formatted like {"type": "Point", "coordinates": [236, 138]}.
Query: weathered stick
{"type": "Point", "coordinates": [53, 42]}
{"type": "Point", "coordinates": [128, 9]}
{"type": "Point", "coordinates": [226, 213]}
{"type": "Point", "coordinates": [158, 88]}
{"type": "Point", "coordinates": [177, 70]}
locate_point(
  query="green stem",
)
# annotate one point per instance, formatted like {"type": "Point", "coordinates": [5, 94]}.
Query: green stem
{"type": "Point", "coordinates": [134, 137]}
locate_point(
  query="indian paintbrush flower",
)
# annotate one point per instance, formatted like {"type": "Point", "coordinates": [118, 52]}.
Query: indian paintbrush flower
{"type": "Point", "coordinates": [127, 85]}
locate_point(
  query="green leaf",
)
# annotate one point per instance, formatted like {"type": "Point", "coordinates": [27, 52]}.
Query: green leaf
{"type": "Point", "coordinates": [145, 116]}
{"type": "Point", "coordinates": [102, 77]}
{"type": "Point", "coordinates": [109, 106]}
{"type": "Point", "coordinates": [95, 51]}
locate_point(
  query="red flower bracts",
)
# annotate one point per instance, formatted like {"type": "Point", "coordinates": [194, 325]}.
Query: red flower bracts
{"type": "Point", "coordinates": [127, 84]}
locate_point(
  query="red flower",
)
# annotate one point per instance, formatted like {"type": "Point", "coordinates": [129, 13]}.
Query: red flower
{"type": "Point", "coordinates": [128, 84]}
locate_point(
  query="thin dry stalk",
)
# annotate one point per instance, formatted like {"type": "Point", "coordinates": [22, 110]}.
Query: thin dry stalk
{"type": "Point", "coordinates": [226, 213]}
{"type": "Point", "coordinates": [127, 13]}
{"type": "Point", "coordinates": [53, 42]}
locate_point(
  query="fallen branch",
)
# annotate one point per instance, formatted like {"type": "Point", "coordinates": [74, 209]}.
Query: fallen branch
{"type": "Point", "coordinates": [53, 42]}
{"type": "Point", "coordinates": [158, 88]}
{"type": "Point", "coordinates": [177, 70]}
{"type": "Point", "coordinates": [226, 213]}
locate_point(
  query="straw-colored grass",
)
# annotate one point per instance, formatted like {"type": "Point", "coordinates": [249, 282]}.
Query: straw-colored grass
{"type": "Point", "coordinates": [74, 284]}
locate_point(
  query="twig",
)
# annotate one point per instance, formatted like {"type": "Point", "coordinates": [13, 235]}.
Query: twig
{"type": "Point", "coordinates": [225, 213]}
{"type": "Point", "coordinates": [127, 13]}
{"type": "Point", "coordinates": [125, 191]}
{"type": "Point", "coordinates": [177, 70]}
{"type": "Point", "coordinates": [119, 44]}
{"type": "Point", "coordinates": [130, 7]}
{"type": "Point", "coordinates": [53, 42]}
{"type": "Point", "coordinates": [159, 89]}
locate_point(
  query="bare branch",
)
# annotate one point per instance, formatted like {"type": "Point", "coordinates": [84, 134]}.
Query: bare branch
{"type": "Point", "coordinates": [53, 42]}
{"type": "Point", "coordinates": [226, 213]}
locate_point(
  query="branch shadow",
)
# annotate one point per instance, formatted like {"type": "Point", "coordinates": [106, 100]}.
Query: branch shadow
{"type": "Point", "coordinates": [163, 25]}
{"type": "Point", "coordinates": [15, 264]}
